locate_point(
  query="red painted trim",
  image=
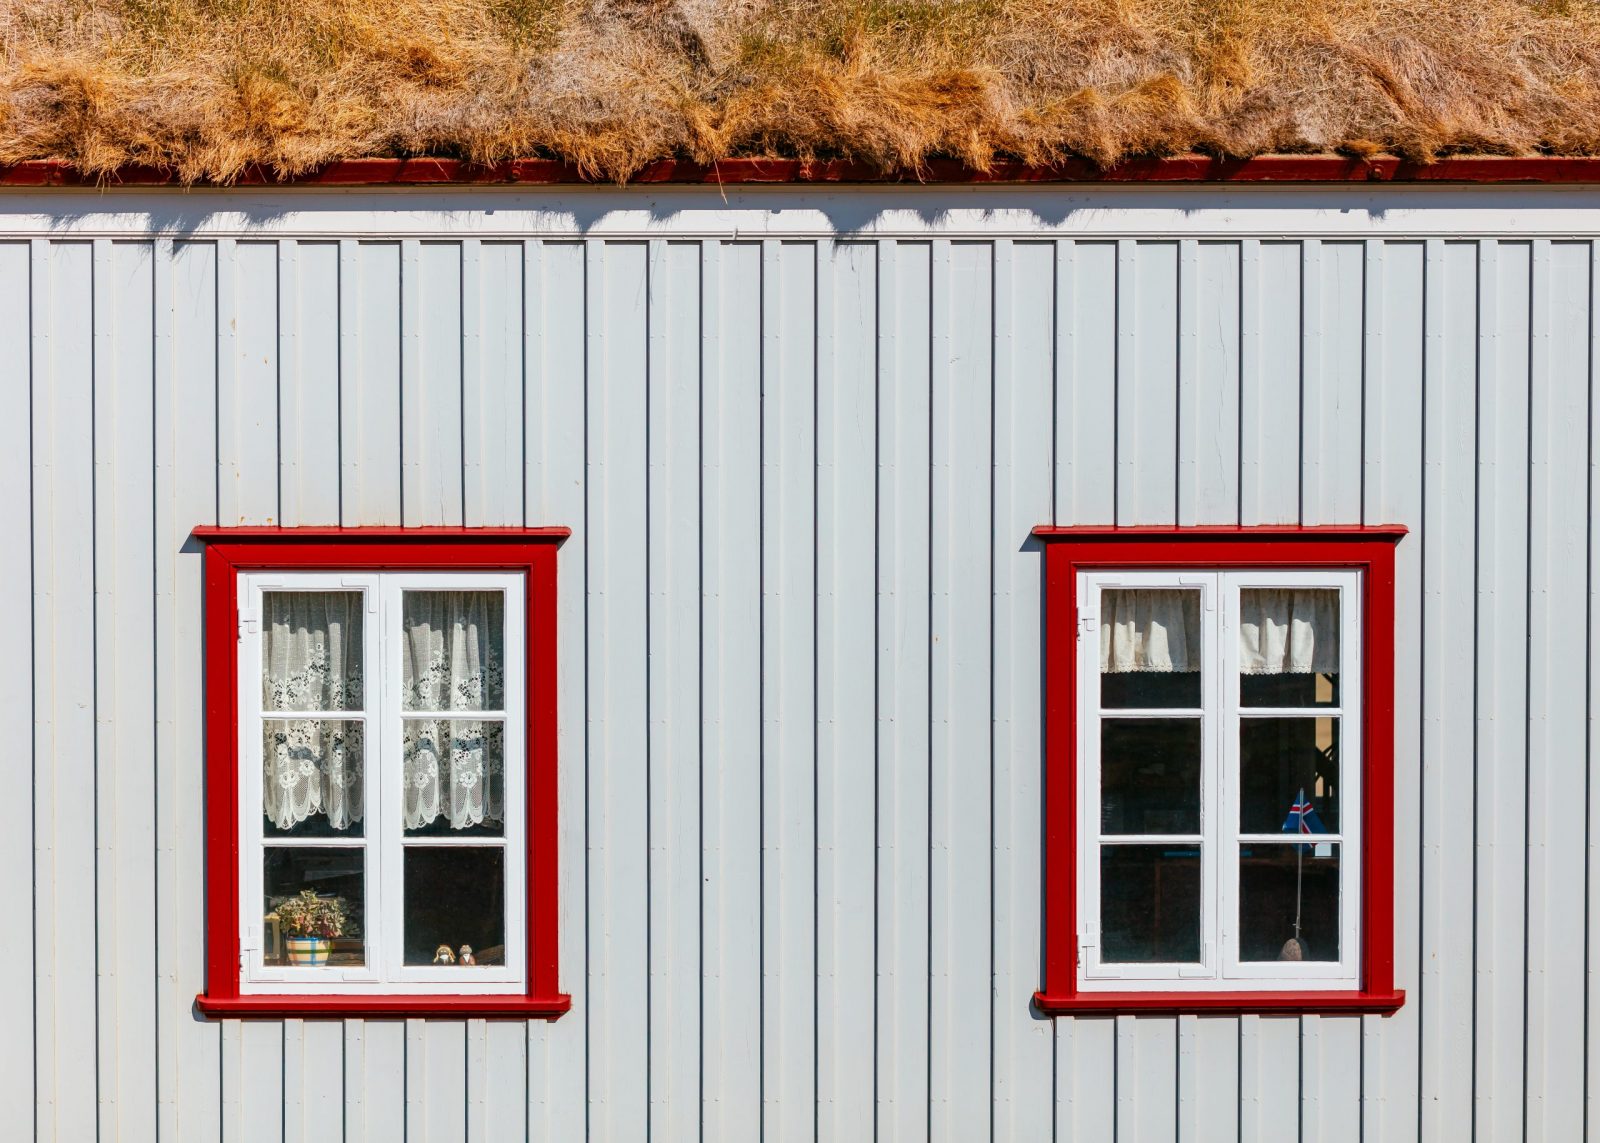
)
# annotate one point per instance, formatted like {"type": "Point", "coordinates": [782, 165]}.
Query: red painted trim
{"type": "Point", "coordinates": [1233, 1003]}
{"type": "Point", "coordinates": [425, 171]}
{"type": "Point", "coordinates": [229, 551]}
{"type": "Point", "coordinates": [525, 1007]}
{"type": "Point", "coordinates": [1067, 551]}
{"type": "Point", "coordinates": [208, 533]}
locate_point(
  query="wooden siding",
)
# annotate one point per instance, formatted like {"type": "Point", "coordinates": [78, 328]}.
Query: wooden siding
{"type": "Point", "coordinates": [800, 659]}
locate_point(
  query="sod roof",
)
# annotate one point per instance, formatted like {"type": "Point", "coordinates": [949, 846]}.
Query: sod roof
{"type": "Point", "coordinates": [213, 88]}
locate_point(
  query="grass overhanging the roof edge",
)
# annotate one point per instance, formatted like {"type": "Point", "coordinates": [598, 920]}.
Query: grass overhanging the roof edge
{"type": "Point", "coordinates": [209, 88]}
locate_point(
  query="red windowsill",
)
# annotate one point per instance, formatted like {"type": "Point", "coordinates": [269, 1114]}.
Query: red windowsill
{"type": "Point", "coordinates": [271, 1006]}
{"type": "Point", "coordinates": [1234, 1003]}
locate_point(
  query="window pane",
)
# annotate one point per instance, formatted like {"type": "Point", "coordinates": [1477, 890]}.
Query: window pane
{"type": "Point", "coordinates": [1150, 904]}
{"type": "Point", "coordinates": [1279, 760]}
{"type": "Point", "coordinates": [1288, 646]}
{"type": "Point", "coordinates": [1150, 652]}
{"type": "Point", "coordinates": [1150, 775]}
{"type": "Point", "coordinates": [453, 655]}
{"type": "Point", "coordinates": [455, 900]}
{"type": "Point", "coordinates": [454, 773]}
{"type": "Point", "coordinates": [311, 650]}
{"type": "Point", "coordinates": [313, 906]}
{"type": "Point", "coordinates": [1277, 884]}
{"type": "Point", "coordinates": [311, 777]}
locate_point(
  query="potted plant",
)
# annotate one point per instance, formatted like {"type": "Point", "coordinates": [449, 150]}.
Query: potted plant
{"type": "Point", "coordinates": [309, 924]}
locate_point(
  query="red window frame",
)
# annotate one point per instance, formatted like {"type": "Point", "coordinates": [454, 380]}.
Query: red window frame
{"type": "Point", "coordinates": [1071, 550]}
{"type": "Point", "coordinates": [229, 551]}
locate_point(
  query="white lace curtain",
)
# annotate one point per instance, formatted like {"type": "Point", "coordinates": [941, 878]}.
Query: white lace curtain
{"type": "Point", "coordinates": [312, 662]}
{"type": "Point", "coordinates": [1281, 630]}
{"type": "Point", "coordinates": [452, 659]}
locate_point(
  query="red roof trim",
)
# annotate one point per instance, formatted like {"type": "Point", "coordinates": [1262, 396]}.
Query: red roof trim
{"type": "Point", "coordinates": [548, 172]}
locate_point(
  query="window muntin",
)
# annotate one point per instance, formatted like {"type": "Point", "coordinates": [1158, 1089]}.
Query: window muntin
{"type": "Point", "coordinates": [411, 812]}
{"type": "Point", "coordinates": [1187, 890]}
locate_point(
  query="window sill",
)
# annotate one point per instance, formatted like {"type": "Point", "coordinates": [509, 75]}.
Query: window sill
{"type": "Point", "coordinates": [1229, 1003]}
{"type": "Point", "coordinates": [438, 1007]}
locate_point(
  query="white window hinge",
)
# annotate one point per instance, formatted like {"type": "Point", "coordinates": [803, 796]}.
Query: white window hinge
{"type": "Point", "coordinates": [1088, 622]}
{"type": "Point", "coordinates": [249, 622]}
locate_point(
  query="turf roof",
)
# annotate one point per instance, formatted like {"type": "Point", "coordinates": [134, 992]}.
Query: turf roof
{"type": "Point", "coordinates": [212, 87]}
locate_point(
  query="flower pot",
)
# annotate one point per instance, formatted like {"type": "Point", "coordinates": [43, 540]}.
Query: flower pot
{"type": "Point", "coordinates": [309, 952]}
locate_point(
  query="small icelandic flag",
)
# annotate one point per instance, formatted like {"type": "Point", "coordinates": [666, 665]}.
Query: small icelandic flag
{"type": "Point", "coordinates": [1303, 819]}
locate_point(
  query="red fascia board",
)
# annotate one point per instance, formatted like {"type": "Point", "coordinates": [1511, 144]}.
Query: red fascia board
{"type": "Point", "coordinates": [1552, 169]}
{"type": "Point", "coordinates": [208, 533]}
{"type": "Point", "coordinates": [1312, 532]}
{"type": "Point", "coordinates": [515, 1006]}
{"type": "Point", "coordinates": [1230, 1003]}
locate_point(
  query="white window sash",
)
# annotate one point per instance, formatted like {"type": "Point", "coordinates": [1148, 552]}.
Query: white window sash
{"type": "Point", "coordinates": [383, 831]}
{"type": "Point", "coordinates": [1219, 840]}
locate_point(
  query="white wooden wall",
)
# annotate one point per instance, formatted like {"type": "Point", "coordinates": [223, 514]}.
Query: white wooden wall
{"type": "Point", "coordinates": [800, 634]}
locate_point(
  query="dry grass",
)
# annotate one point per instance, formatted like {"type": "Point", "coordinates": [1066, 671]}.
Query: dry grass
{"type": "Point", "coordinates": [210, 86]}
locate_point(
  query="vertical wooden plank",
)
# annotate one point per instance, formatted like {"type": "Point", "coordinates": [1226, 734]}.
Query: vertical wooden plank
{"type": "Point", "coordinates": [1331, 1100]}
{"type": "Point", "coordinates": [673, 430]}
{"type": "Point", "coordinates": [962, 913]}
{"type": "Point", "coordinates": [846, 698]}
{"type": "Point", "coordinates": [788, 700]}
{"type": "Point", "coordinates": [376, 1073]}
{"type": "Point", "coordinates": [1208, 383]}
{"type": "Point", "coordinates": [497, 1073]}
{"type": "Point", "coordinates": [247, 382]}
{"type": "Point", "coordinates": [316, 1084]}
{"type": "Point", "coordinates": [186, 488]}
{"type": "Point", "coordinates": [370, 381]}
{"type": "Point", "coordinates": [17, 690]}
{"type": "Point", "coordinates": [64, 713]}
{"type": "Point", "coordinates": [1024, 404]}
{"type": "Point", "coordinates": [125, 689]}
{"type": "Point", "coordinates": [1086, 1077]}
{"type": "Point", "coordinates": [1591, 1087]}
{"type": "Point", "coordinates": [492, 400]}
{"type": "Point", "coordinates": [1269, 397]}
{"type": "Point", "coordinates": [555, 332]}
{"type": "Point", "coordinates": [1269, 1078]}
{"type": "Point", "coordinates": [1501, 697]}
{"type": "Point", "coordinates": [1147, 382]}
{"type": "Point", "coordinates": [1147, 1078]}
{"type": "Point", "coordinates": [618, 681]}
{"type": "Point", "coordinates": [253, 1083]}
{"type": "Point", "coordinates": [308, 347]}
{"type": "Point", "coordinates": [1333, 349]}
{"type": "Point", "coordinates": [1558, 537]}
{"type": "Point", "coordinates": [1406, 374]}
{"type": "Point", "coordinates": [415, 1099]}
{"type": "Point", "coordinates": [445, 1077]}
{"type": "Point", "coordinates": [1208, 1079]}
{"type": "Point", "coordinates": [1086, 386]}
{"type": "Point", "coordinates": [904, 718]}
{"type": "Point", "coordinates": [731, 510]}
{"type": "Point", "coordinates": [430, 384]}
{"type": "Point", "coordinates": [1448, 748]}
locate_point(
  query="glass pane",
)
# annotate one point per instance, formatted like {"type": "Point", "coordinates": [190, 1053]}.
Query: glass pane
{"type": "Point", "coordinates": [453, 655]}
{"type": "Point", "coordinates": [454, 771]}
{"type": "Point", "coordinates": [1281, 760]}
{"type": "Point", "coordinates": [1149, 648]}
{"type": "Point", "coordinates": [1150, 904]}
{"type": "Point", "coordinates": [311, 650]}
{"type": "Point", "coordinates": [455, 905]}
{"type": "Point", "coordinates": [1288, 646]}
{"type": "Point", "coordinates": [1280, 885]}
{"type": "Point", "coordinates": [1150, 775]}
{"type": "Point", "coordinates": [311, 777]}
{"type": "Point", "coordinates": [313, 906]}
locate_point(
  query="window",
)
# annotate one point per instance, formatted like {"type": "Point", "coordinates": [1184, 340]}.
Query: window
{"type": "Point", "coordinates": [380, 773]}
{"type": "Point", "coordinates": [1219, 770]}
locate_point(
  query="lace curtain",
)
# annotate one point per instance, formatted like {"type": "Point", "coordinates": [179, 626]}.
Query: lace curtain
{"type": "Point", "coordinates": [1286, 631]}
{"type": "Point", "coordinates": [1281, 630]}
{"type": "Point", "coordinates": [1149, 629]}
{"type": "Point", "coordinates": [452, 660]}
{"type": "Point", "coordinates": [312, 662]}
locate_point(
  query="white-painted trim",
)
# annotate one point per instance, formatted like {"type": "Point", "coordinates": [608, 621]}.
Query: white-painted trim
{"type": "Point", "coordinates": [1349, 213]}
{"type": "Point", "coordinates": [1219, 839]}
{"type": "Point", "coordinates": [384, 839]}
